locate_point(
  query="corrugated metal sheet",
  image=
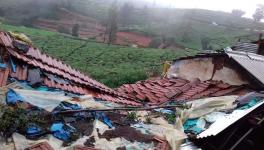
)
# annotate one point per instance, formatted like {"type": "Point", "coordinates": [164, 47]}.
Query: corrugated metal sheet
{"type": "Point", "coordinates": [223, 123]}
{"type": "Point", "coordinates": [246, 47]}
{"type": "Point", "coordinates": [253, 63]}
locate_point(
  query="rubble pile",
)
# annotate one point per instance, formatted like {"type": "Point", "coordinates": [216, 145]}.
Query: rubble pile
{"type": "Point", "coordinates": [45, 104]}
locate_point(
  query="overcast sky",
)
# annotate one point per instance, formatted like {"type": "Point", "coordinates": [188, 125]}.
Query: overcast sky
{"type": "Point", "coordinates": [223, 5]}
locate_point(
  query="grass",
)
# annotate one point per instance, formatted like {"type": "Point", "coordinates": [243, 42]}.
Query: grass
{"type": "Point", "coordinates": [112, 65]}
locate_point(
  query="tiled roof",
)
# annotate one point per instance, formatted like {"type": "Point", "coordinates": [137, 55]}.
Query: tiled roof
{"type": "Point", "coordinates": [40, 146]}
{"type": "Point", "coordinates": [161, 90]}
{"type": "Point", "coordinates": [80, 83]}
{"type": "Point", "coordinates": [79, 147]}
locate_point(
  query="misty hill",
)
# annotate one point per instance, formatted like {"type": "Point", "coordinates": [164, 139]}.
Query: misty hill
{"type": "Point", "coordinates": [164, 27]}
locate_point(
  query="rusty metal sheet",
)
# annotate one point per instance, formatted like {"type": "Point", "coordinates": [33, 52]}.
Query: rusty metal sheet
{"type": "Point", "coordinates": [4, 76]}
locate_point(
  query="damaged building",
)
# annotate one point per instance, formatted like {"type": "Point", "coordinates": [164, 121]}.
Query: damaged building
{"type": "Point", "coordinates": [210, 101]}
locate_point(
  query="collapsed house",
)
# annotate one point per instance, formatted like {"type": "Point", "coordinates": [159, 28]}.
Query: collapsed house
{"type": "Point", "coordinates": [211, 76]}
{"type": "Point", "coordinates": [204, 99]}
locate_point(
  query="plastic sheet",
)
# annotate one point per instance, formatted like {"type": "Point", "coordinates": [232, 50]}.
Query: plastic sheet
{"type": "Point", "coordinates": [212, 117]}
{"type": "Point", "coordinates": [13, 66]}
{"type": "Point", "coordinates": [12, 97]}
{"type": "Point", "coordinates": [101, 116]}
{"type": "Point", "coordinates": [195, 126]}
{"type": "Point", "coordinates": [250, 104]}
{"type": "Point", "coordinates": [243, 100]}
{"type": "Point", "coordinates": [205, 106]}
{"type": "Point", "coordinates": [2, 66]}
{"type": "Point", "coordinates": [164, 111]}
{"type": "Point", "coordinates": [172, 135]}
{"type": "Point", "coordinates": [42, 99]}
{"type": "Point", "coordinates": [61, 131]}
{"type": "Point", "coordinates": [33, 131]}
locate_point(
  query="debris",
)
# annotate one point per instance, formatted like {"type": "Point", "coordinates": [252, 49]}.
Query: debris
{"type": "Point", "coordinates": [41, 95]}
{"type": "Point", "coordinates": [205, 106]}
{"type": "Point", "coordinates": [20, 36]}
{"type": "Point", "coordinates": [40, 146]}
{"type": "Point", "coordinates": [12, 97]}
{"type": "Point", "coordinates": [3, 65]}
{"type": "Point", "coordinates": [34, 77]}
{"type": "Point", "coordinates": [85, 127]}
{"type": "Point", "coordinates": [129, 133]}
{"type": "Point", "coordinates": [33, 131]}
{"type": "Point", "coordinates": [63, 132]}
{"type": "Point", "coordinates": [42, 99]}
{"type": "Point", "coordinates": [21, 46]}
{"type": "Point", "coordinates": [248, 97]}
{"type": "Point", "coordinates": [90, 142]}
{"type": "Point", "coordinates": [195, 126]}
{"type": "Point", "coordinates": [20, 141]}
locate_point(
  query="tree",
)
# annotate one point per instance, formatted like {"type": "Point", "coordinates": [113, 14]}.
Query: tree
{"type": "Point", "coordinates": [205, 41]}
{"type": "Point", "coordinates": [125, 13]}
{"type": "Point", "coordinates": [238, 13]}
{"type": "Point", "coordinates": [75, 30]}
{"type": "Point", "coordinates": [259, 13]}
{"type": "Point", "coordinates": [2, 13]}
{"type": "Point", "coordinates": [112, 23]}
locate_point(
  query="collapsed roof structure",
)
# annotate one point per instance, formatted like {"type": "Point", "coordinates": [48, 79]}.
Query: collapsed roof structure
{"type": "Point", "coordinates": [210, 94]}
{"type": "Point", "coordinates": [56, 73]}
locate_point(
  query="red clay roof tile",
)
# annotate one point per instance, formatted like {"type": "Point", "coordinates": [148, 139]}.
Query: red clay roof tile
{"type": "Point", "coordinates": [40, 146]}
{"type": "Point", "coordinates": [154, 92]}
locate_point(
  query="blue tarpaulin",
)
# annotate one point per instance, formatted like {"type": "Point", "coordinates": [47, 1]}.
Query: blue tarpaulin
{"type": "Point", "coordinates": [191, 125]}
{"type": "Point", "coordinates": [13, 66]}
{"type": "Point", "coordinates": [62, 131]}
{"type": "Point", "coordinates": [101, 116]}
{"type": "Point", "coordinates": [12, 97]}
{"type": "Point", "coordinates": [250, 104]}
{"type": "Point", "coordinates": [33, 131]}
{"type": "Point", "coordinates": [2, 65]}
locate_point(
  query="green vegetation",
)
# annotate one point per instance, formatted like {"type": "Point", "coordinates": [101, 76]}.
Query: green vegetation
{"type": "Point", "coordinates": [112, 65]}
{"type": "Point", "coordinates": [132, 116]}
{"type": "Point", "coordinates": [16, 120]}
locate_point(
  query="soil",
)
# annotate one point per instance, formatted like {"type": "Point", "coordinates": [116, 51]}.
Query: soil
{"type": "Point", "coordinates": [85, 127]}
{"type": "Point", "coordinates": [127, 132]}
{"type": "Point", "coordinates": [121, 148]}
{"type": "Point", "coordinates": [90, 142]}
{"type": "Point", "coordinates": [119, 119]}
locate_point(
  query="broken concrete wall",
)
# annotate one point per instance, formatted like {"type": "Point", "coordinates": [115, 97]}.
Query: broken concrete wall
{"type": "Point", "coordinates": [208, 68]}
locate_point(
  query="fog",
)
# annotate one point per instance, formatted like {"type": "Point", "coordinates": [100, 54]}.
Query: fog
{"type": "Point", "coordinates": [249, 6]}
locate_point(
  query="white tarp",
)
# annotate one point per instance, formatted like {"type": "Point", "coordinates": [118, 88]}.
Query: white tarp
{"type": "Point", "coordinates": [43, 99]}
{"type": "Point", "coordinates": [205, 106]}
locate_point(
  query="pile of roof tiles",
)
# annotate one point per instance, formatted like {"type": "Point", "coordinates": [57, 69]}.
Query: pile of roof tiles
{"type": "Point", "coordinates": [26, 56]}
{"type": "Point", "coordinates": [164, 89]}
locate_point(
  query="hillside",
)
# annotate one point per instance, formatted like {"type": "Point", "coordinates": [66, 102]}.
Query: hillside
{"type": "Point", "coordinates": [111, 65]}
{"type": "Point", "coordinates": [180, 27]}
{"type": "Point", "coordinates": [166, 28]}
